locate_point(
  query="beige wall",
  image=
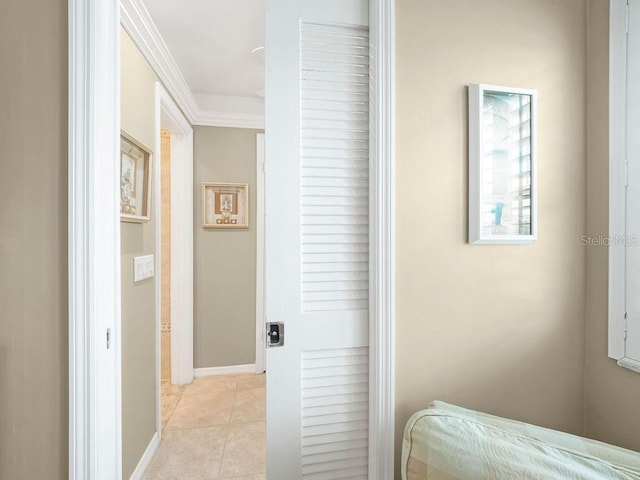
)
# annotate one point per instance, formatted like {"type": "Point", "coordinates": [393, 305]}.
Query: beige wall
{"type": "Point", "coordinates": [33, 240]}
{"type": "Point", "coordinates": [612, 392]}
{"type": "Point", "coordinates": [495, 328]}
{"type": "Point", "coordinates": [138, 300]}
{"type": "Point", "coordinates": [225, 260]}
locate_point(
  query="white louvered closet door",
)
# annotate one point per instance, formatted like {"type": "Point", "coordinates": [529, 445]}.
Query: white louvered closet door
{"type": "Point", "coordinates": [317, 240]}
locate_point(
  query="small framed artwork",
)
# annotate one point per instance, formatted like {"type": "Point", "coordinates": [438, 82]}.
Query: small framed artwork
{"type": "Point", "coordinates": [225, 205]}
{"type": "Point", "coordinates": [502, 165]}
{"type": "Point", "coordinates": [135, 180]}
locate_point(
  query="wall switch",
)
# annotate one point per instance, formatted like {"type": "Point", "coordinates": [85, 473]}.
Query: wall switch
{"type": "Point", "coordinates": [143, 268]}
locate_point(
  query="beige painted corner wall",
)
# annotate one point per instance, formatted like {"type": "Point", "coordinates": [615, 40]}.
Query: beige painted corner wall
{"type": "Point", "coordinates": [612, 392]}
{"type": "Point", "coordinates": [138, 300]}
{"type": "Point", "coordinates": [33, 240]}
{"type": "Point", "coordinates": [495, 328]}
{"type": "Point", "coordinates": [225, 260]}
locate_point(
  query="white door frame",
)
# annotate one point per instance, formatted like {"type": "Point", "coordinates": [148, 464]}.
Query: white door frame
{"type": "Point", "coordinates": [260, 322]}
{"type": "Point", "coordinates": [95, 408]}
{"type": "Point", "coordinates": [95, 438]}
{"type": "Point", "coordinates": [169, 116]}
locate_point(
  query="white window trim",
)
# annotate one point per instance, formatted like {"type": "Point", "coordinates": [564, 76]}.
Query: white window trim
{"type": "Point", "coordinates": [382, 272]}
{"type": "Point", "coordinates": [617, 173]}
{"type": "Point", "coordinates": [618, 31]}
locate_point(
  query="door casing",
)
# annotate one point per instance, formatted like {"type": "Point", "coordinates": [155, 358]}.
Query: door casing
{"type": "Point", "coordinates": [260, 246]}
{"type": "Point", "coordinates": [169, 116]}
{"type": "Point", "coordinates": [95, 438]}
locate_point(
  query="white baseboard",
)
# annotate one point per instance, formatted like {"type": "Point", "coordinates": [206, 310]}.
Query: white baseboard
{"type": "Point", "coordinates": [147, 456]}
{"type": "Point", "coordinates": [206, 372]}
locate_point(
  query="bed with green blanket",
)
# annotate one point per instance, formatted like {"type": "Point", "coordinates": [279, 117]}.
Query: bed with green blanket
{"type": "Point", "coordinates": [445, 442]}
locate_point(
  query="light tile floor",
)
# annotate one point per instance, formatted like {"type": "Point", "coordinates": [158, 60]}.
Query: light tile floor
{"type": "Point", "coordinates": [212, 429]}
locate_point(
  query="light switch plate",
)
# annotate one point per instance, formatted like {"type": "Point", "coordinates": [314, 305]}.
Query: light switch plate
{"type": "Point", "coordinates": [143, 268]}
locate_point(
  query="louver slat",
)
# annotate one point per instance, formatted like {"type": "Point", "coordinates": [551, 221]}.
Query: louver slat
{"type": "Point", "coordinates": [334, 80]}
{"type": "Point", "coordinates": [335, 413]}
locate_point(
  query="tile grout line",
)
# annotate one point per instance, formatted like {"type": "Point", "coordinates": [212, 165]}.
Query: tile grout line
{"type": "Point", "coordinates": [180, 395]}
{"type": "Point", "coordinates": [226, 437]}
{"type": "Point", "coordinates": [236, 389]}
{"type": "Point", "coordinates": [173, 411]}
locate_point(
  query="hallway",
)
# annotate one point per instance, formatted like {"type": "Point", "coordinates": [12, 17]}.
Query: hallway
{"type": "Point", "coordinates": [212, 429]}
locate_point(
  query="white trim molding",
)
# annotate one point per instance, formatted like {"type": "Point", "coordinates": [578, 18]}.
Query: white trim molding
{"type": "Point", "coordinates": [207, 118]}
{"type": "Point", "coordinates": [143, 31]}
{"type": "Point", "coordinates": [147, 457]}
{"type": "Point", "coordinates": [382, 240]}
{"type": "Point", "coordinates": [629, 364]}
{"type": "Point", "coordinates": [95, 417]}
{"type": "Point", "coordinates": [168, 115]}
{"type": "Point", "coordinates": [145, 34]}
{"type": "Point", "coordinates": [260, 254]}
{"type": "Point", "coordinates": [617, 174]}
{"type": "Point", "coordinates": [230, 370]}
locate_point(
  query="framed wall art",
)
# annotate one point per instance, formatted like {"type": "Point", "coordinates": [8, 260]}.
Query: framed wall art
{"type": "Point", "coordinates": [135, 180]}
{"type": "Point", "coordinates": [225, 205]}
{"type": "Point", "coordinates": [502, 165]}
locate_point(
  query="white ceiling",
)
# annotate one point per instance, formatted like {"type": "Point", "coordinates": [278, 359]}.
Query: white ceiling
{"type": "Point", "coordinates": [211, 41]}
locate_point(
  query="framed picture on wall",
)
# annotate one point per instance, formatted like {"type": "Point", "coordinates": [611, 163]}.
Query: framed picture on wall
{"type": "Point", "coordinates": [225, 205]}
{"type": "Point", "coordinates": [135, 180]}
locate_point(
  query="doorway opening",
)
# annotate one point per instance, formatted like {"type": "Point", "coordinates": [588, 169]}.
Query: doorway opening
{"type": "Point", "coordinates": [95, 446]}
{"type": "Point", "coordinates": [220, 406]}
{"type": "Point", "coordinates": [216, 424]}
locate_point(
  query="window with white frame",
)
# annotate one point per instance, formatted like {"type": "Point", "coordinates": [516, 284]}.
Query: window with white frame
{"type": "Point", "coordinates": [624, 183]}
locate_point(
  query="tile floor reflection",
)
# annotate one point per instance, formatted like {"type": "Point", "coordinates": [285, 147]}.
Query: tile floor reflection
{"type": "Point", "coordinates": [213, 429]}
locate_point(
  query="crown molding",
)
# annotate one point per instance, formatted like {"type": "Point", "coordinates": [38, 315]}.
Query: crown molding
{"type": "Point", "coordinates": [139, 25]}
{"type": "Point", "coordinates": [210, 118]}
{"type": "Point", "coordinates": [137, 21]}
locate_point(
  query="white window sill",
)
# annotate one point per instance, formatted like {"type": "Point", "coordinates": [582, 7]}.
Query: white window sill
{"type": "Point", "coordinates": [630, 364]}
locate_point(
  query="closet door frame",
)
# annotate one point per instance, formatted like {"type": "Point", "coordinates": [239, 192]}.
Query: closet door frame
{"type": "Point", "coordinates": [95, 416]}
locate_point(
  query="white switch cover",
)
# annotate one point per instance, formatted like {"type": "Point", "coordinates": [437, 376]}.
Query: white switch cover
{"type": "Point", "coordinates": [143, 268]}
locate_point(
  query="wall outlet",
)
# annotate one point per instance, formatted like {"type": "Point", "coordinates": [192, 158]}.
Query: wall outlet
{"type": "Point", "coordinates": [143, 268]}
